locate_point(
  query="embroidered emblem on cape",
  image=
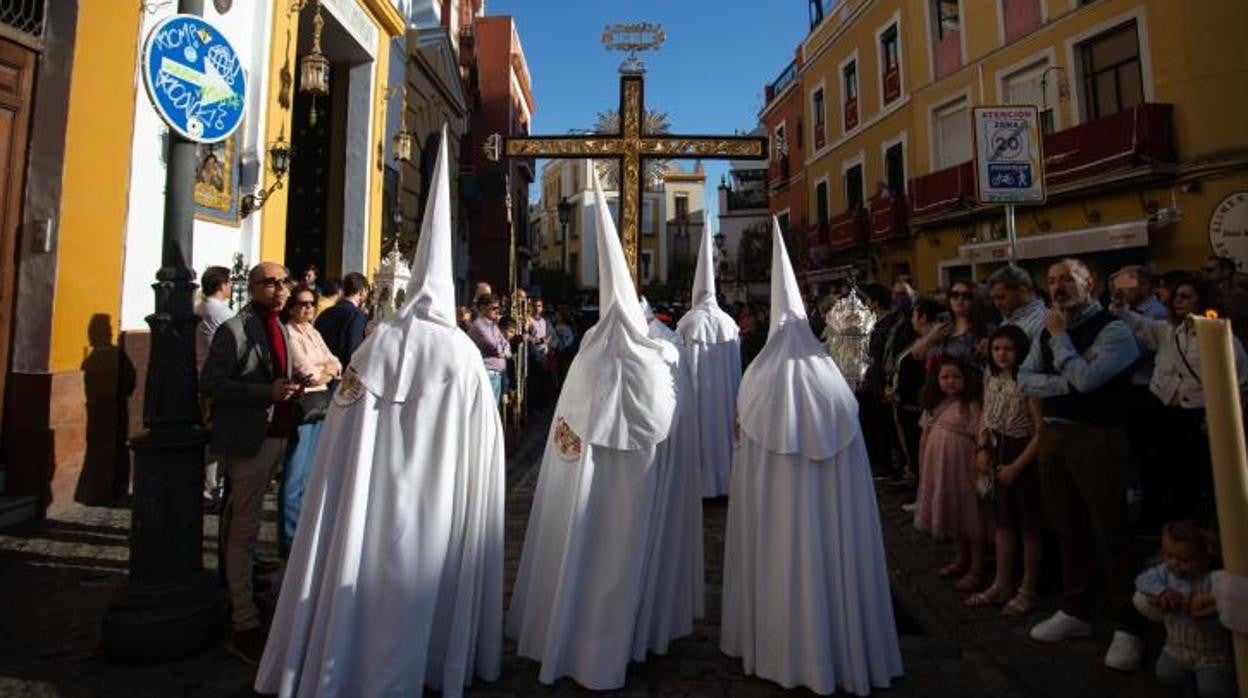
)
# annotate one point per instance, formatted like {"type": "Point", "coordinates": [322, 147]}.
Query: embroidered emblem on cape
{"type": "Point", "coordinates": [736, 430]}
{"type": "Point", "coordinates": [350, 389]}
{"type": "Point", "coordinates": [566, 440]}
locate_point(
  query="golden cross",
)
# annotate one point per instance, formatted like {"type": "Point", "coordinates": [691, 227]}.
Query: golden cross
{"type": "Point", "coordinates": [630, 147]}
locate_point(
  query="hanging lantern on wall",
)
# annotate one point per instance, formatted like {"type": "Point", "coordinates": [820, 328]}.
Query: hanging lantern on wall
{"type": "Point", "coordinates": [403, 139]}
{"type": "Point", "coordinates": [314, 67]}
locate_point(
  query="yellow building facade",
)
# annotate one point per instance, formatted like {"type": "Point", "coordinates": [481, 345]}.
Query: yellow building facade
{"type": "Point", "coordinates": [1142, 103]}
{"type": "Point", "coordinates": [77, 352]}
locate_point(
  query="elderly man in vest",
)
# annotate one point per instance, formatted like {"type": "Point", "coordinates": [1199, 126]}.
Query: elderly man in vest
{"type": "Point", "coordinates": [1081, 368]}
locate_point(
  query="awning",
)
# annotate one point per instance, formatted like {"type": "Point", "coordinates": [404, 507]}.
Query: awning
{"type": "Point", "coordinates": [1119, 236]}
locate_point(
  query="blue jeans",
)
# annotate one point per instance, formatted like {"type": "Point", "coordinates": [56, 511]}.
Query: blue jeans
{"type": "Point", "coordinates": [497, 382]}
{"type": "Point", "coordinates": [295, 471]}
{"type": "Point", "coordinates": [1211, 681]}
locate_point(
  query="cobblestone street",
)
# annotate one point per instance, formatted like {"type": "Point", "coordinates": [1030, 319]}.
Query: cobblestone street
{"type": "Point", "coordinates": [56, 578]}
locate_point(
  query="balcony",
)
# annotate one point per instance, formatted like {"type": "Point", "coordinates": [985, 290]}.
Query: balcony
{"type": "Point", "coordinates": [1143, 135]}
{"type": "Point", "coordinates": [848, 230]}
{"type": "Point", "coordinates": [851, 114]}
{"type": "Point", "coordinates": [817, 244]}
{"type": "Point", "coordinates": [787, 77]}
{"type": "Point", "coordinates": [779, 170]}
{"type": "Point", "coordinates": [943, 190]}
{"type": "Point", "coordinates": [892, 84]}
{"type": "Point", "coordinates": [889, 217]}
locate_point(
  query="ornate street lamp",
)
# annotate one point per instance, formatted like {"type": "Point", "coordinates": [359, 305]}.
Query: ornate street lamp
{"type": "Point", "coordinates": [314, 67]}
{"type": "Point", "coordinates": [279, 164]}
{"type": "Point", "coordinates": [565, 215]}
{"type": "Point", "coordinates": [403, 144]}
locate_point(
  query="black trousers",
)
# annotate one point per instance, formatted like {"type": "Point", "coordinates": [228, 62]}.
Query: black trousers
{"type": "Point", "coordinates": [1176, 473]}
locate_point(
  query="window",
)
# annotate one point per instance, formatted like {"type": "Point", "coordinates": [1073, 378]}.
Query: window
{"type": "Point", "coordinates": [948, 20]}
{"type": "Point", "coordinates": [853, 188]}
{"type": "Point", "coordinates": [890, 63]}
{"type": "Point", "coordinates": [849, 82]}
{"type": "Point", "coordinates": [1110, 66]}
{"type": "Point", "coordinates": [780, 144]}
{"type": "Point", "coordinates": [682, 208]}
{"type": "Point", "coordinates": [1029, 86]}
{"type": "Point", "coordinates": [951, 126]}
{"type": "Point", "coordinates": [649, 219]}
{"type": "Point", "coordinates": [1019, 18]}
{"type": "Point", "coordinates": [647, 266]}
{"type": "Point", "coordinates": [895, 169]}
{"type": "Point", "coordinates": [816, 107]}
{"type": "Point", "coordinates": [821, 202]}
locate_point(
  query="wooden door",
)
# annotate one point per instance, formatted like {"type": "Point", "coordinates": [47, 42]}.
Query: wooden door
{"type": "Point", "coordinates": [17, 75]}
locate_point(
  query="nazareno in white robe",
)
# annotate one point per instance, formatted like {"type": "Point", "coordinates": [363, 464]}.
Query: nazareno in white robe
{"type": "Point", "coordinates": [806, 591]}
{"type": "Point", "coordinates": [578, 594]}
{"type": "Point", "coordinates": [714, 344]}
{"type": "Point", "coordinates": [674, 590]}
{"type": "Point", "coordinates": [394, 582]}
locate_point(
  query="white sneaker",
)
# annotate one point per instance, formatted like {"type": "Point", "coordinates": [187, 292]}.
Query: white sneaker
{"type": "Point", "coordinates": [1124, 652]}
{"type": "Point", "coordinates": [908, 508]}
{"type": "Point", "coordinates": [1060, 626]}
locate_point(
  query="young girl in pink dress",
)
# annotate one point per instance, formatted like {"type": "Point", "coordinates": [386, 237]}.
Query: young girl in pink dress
{"type": "Point", "coordinates": [948, 505]}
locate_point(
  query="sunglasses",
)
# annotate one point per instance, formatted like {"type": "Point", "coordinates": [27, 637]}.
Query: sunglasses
{"type": "Point", "coordinates": [275, 281]}
{"type": "Point", "coordinates": [960, 295]}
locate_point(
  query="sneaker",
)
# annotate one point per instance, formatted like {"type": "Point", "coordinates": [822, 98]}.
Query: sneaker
{"type": "Point", "coordinates": [1060, 626]}
{"type": "Point", "coordinates": [247, 645]}
{"type": "Point", "coordinates": [1124, 652]}
{"type": "Point", "coordinates": [909, 507]}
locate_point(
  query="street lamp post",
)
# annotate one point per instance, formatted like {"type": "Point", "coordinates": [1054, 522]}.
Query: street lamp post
{"type": "Point", "coordinates": [170, 606]}
{"type": "Point", "coordinates": [565, 215]}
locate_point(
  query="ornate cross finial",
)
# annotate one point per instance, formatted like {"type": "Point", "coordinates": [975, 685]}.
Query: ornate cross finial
{"type": "Point", "coordinates": [638, 36]}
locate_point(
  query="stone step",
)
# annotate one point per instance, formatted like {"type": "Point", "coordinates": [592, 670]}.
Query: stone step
{"type": "Point", "coordinates": [16, 509]}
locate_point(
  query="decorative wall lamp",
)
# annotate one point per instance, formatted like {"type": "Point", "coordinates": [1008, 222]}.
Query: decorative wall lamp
{"type": "Point", "coordinates": [404, 140]}
{"type": "Point", "coordinates": [279, 164]}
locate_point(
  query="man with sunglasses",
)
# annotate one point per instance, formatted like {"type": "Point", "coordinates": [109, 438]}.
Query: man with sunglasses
{"type": "Point", "coordinates": [247, 375]}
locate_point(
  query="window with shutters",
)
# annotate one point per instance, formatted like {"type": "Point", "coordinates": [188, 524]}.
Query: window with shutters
{"type": "Point", "coordinates": [1110, 67]}
{"type": "Point", "coordinates": [951, 134]}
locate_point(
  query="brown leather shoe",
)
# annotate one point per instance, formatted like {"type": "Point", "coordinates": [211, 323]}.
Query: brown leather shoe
{"type": "Point", "coordinates": [247, 645]}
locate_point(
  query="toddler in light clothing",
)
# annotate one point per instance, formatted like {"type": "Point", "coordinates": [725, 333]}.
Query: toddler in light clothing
{"type": "Point", "coordinates": [1178, 593]}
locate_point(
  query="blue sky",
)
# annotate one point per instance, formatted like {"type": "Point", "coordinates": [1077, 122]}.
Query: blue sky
{"type": "Point", "coordinates": [708, 76]}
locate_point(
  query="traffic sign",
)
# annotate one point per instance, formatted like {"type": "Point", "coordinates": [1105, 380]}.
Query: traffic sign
{"type": "Point", "coordinates": [194, 78]}
{"type": "Point", "coordinates": [1009, 155]}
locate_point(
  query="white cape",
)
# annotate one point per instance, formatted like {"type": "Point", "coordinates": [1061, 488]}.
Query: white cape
{"type": "Point", "coordinates": [806, 592]}
{"type": "Point", "coordinates": [395, 579]}
{"type": "Point", "coordinates": [674, 591]}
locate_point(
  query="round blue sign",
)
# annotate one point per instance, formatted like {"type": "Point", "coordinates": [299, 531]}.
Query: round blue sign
{"type": "Point", "coordinates": [194, 78]}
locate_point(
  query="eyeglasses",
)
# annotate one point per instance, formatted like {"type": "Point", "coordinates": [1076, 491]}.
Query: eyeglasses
{"type": "Point", "coordinates": [275, 281]}
{"type": "Point", "coordinates": [304, 304]}
{"type": "Point", "coordinates": [960, 295]}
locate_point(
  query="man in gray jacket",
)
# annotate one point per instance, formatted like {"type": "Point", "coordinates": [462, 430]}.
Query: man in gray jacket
{"type": "Point", "coordinates": [247, 376]}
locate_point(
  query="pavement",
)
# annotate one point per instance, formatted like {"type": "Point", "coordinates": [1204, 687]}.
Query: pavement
{"type": "Point", "coordinates": [56, 578]}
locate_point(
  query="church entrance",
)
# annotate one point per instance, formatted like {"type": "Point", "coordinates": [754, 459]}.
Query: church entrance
{"type": "Point", "coordinates": [327, 203]}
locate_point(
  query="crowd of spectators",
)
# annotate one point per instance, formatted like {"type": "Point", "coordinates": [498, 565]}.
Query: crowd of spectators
{"type": "Point", "coordinates": [1067, 416]}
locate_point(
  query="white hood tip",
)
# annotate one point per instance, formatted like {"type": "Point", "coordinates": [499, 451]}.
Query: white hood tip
{"type": "Point", "coordinates": [706, 322]}
{"type": "Point", "coordinates": [387, 361]}
{"type": "Point", "coordinates": [793, 398]}
{"type": "Point", "coordinates": [619, 392]}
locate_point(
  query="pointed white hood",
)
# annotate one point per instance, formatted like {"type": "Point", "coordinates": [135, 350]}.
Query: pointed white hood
{"type": "Point", "coordinates": [706, 322]}
{"type": "Point", "coordinates": [619, 392]}
{"type": "Point", "coordinates": [793, 398]}
{"type": "Point", "coordinates": [387, 362]}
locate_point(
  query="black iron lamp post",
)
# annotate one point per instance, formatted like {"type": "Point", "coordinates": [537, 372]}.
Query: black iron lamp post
{"type": "Point", "coordinates": [170, 606]}
{"type": "Point", "coordinates": [565, 215]}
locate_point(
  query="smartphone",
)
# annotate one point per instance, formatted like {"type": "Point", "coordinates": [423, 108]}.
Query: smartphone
{"type": "Point", "coordinates": [944, 317]}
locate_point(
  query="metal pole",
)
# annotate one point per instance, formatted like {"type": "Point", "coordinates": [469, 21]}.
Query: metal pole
{"type": "Point", "coordinates": [1011, 233]}
{"type": "Point", "coordinates": [171, 606]}
{"type": "Point", "coordinates": [565, 247]}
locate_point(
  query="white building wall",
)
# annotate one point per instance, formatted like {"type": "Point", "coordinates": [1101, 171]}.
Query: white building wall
{"type": "Point", "coordinates": [248, 27]}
